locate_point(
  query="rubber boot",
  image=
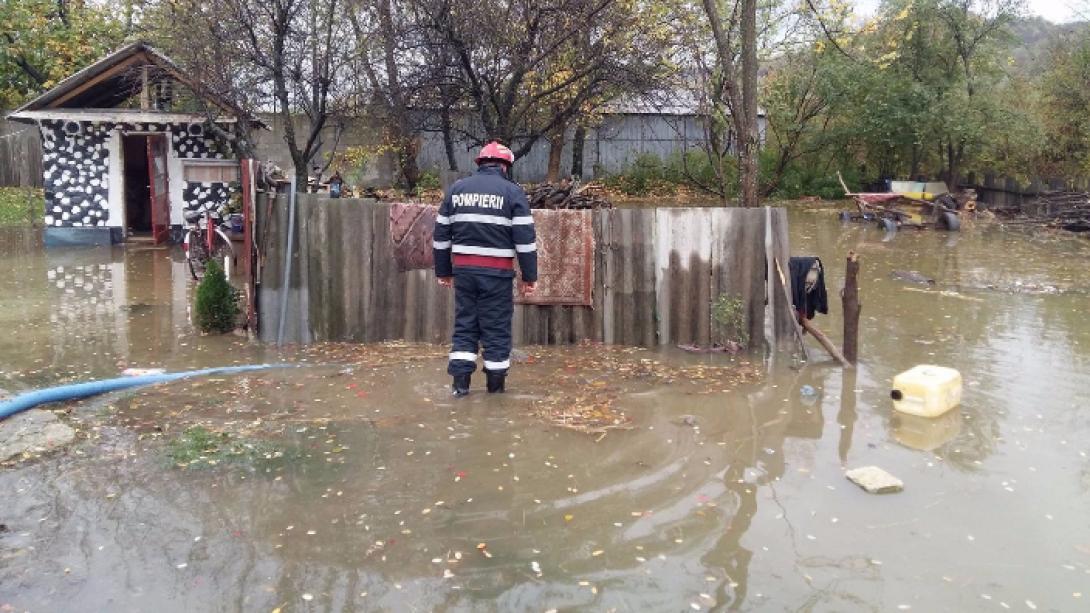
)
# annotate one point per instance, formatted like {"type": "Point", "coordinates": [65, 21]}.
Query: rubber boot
{"type": "Point", "coordinates": [496, 382]}
{"type": "Point", "coordinates": [460, 386]}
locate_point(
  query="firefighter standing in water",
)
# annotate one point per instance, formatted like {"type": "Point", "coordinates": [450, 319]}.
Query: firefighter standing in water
{"type": "Point", "coordinates": [483, 224]}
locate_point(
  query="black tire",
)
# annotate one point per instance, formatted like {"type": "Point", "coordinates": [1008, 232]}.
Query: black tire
{"type": "Point", "coordinates": [950, 221]}
{"type": "Point", "coordinates": [887, 224]}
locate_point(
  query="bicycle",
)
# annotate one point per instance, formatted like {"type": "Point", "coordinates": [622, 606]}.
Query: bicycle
{"type": "Point", "coordinates": [205, 240]}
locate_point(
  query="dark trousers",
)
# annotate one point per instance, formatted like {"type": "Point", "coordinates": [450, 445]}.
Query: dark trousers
{"type": "Point", "coordinates": [483, 305]}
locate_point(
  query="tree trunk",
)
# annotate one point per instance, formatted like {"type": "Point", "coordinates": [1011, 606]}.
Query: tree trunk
{"type": "Point", "coordinates": [849, 298]}
{"type": "Point", "coordinates": [448, 138]}
{"type": "Point", "coordinates": [406, 158]}
{"type": "Point", "coordinates": [578, 143]}
{"type": "Point", "coordinates": [301, 176]}
{"type": "Point", "coordinates": [556, 154]}
{"type": "Point", "coordinates": [747, 127]}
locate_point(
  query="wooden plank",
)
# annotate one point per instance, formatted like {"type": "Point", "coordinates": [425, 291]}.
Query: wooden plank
{"type": "Point", "coordinates": [783, 321]}
{"type": "Point", "coordinates": [646, 308]}
{"type": "Point", "coordinates": [606, 273]}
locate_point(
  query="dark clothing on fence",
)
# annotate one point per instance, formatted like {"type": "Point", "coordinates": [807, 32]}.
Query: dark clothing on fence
{"type": "Point", "coordinates": [483, 305]}
{"type": "Point", "coordinates": [485, 217]}
{"type": "Point", "coordinates": [814, 300]}
{"type": "Point", "coordinates": [483, 224]}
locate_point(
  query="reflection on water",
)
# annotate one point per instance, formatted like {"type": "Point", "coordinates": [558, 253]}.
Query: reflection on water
{"type": "Point", "coordinates": [390, 487]}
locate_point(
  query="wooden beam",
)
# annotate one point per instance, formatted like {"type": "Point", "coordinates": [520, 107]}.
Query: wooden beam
{"type": "Point", "coordinates": [104, 75]}
{"type": "Point", "coordinates": [824, 342]}
{"type": "Point", "coordinates": [791, 309]}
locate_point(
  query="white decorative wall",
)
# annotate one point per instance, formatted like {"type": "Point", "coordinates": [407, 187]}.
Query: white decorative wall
{"type": "Point", "coordinates": [83, 170]}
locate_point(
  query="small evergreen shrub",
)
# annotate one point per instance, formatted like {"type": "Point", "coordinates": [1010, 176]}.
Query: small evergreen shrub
{"type": "Point", "coordinates": [217, 302]}
{"type": "Point", "coordinates": [730, 317]}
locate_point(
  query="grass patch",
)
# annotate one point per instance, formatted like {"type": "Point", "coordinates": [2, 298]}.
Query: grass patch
{"type": "Point", "coordinates": [199, 447]}
{"type": "Point", "coordinates": [21, 206]}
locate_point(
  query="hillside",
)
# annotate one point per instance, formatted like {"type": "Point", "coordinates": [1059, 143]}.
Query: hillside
{"type": "Point", "coordinates": [1033, 38]}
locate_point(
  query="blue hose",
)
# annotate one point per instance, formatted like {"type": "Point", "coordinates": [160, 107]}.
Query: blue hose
{"type": "Point", "coordinates": [29, 400]}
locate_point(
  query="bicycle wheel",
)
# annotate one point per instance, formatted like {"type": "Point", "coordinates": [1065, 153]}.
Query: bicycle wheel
{"type": "Point", "coordinates": [196, 254]}
{"type": "Point", "coordinates": [224, 253]}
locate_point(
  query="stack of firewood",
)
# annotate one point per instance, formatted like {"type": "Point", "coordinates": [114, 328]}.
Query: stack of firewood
{"type": "Point", "coordinates": [1059, 209]}
{"type": "Point", "coordinates": [567, 194]}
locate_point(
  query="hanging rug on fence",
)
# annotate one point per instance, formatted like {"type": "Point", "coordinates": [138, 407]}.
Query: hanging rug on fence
{"type": "Point", "coordinates": [411, 228]}
{"type": "Point", "coordinates": [565, 259]}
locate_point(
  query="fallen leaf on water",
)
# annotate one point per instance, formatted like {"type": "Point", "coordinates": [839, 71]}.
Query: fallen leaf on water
{"type": "Point", "coordinates": [569, 517]}
{"type": "Point", "coordinates": [596, 553]}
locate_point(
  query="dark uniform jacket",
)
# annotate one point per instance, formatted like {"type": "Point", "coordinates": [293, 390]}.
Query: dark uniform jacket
{"type": "Point", "coordinates": [483, 224]}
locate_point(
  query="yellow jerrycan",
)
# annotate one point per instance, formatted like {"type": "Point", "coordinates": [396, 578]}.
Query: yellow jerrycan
{"type": "Point", "coordinates": [926, 390]}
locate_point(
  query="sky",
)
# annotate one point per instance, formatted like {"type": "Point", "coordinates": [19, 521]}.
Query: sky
{"type": "Point", "coordinates": [1058, 11]}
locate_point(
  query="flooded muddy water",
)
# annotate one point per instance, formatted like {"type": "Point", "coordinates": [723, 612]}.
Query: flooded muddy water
{"type": "Point", "coordinates": [351, 481]}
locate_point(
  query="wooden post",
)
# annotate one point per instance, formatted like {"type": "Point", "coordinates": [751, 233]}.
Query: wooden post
{"type": "Point", "coordinates": [145, 94]}
{"type": "Point", "coordinates": [246, 178]}
{"type": "Point", "coordinates": [849, 298]}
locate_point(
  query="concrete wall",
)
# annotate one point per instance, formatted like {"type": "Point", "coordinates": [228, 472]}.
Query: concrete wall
{"type": "Point", "coordinates": [657, 273]}
{"type": "Point", "coordinates": [609, 148]}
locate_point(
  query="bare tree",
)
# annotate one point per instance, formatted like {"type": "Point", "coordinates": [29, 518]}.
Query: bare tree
{"type": "Point", "coordinates": [547, 63]}
{"type": "Point", "coordinates": [390, 59]}
{"type": "Point", "coordinates": [283, 55]}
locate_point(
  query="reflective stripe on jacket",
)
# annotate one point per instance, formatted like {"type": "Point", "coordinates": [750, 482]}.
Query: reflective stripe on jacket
{"type": "Point", "coordinates": [485, 215]}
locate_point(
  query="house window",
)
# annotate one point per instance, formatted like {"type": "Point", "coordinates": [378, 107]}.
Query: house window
{"type": "Point", "coordinates": [211, 173]}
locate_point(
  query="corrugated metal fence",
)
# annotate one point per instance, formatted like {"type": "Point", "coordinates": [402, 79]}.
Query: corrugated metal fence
{"type": "Point", "coordinates": [657, 274]}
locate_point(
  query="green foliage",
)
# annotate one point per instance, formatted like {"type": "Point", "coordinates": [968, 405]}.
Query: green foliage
{"type": "Point", "coordinates": [900, 97]}
{"type": "Point", "coordinates": [729, 313]}
{"type": "Point", "coordinates": [199, 447]}
{"type": "Point", "coordinates": [21, 206]}
{"type": "Point", "coordinates": [646, 175]}
{"type": "Point", "coordinates": [234, 200]}
{"type": "Point", "coordinates": [649, 175]}
{"type": "Point", "coordinates": [428, 180]}
{"type": "Point", "coordinates": [1065, 106]}
{"type": "Point", "coordinates": [48, 40]}
{"type": "Point", "coordinates": [800, 180]}
{"type": "Point", "coordinates": [217, 302]}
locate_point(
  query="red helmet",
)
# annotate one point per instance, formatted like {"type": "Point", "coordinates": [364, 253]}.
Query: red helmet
{"type": "Point", "coordinates": [496, 151]}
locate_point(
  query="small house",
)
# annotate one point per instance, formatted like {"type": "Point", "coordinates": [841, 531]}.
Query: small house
{"type": "Point", "coordinates": [126, 149]}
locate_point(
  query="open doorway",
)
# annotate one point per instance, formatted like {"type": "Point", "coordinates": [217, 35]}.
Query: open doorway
{"type": "Point", "coordinates": [137, 186]}
{"type": "Point", "coordinates": [147, 203]}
